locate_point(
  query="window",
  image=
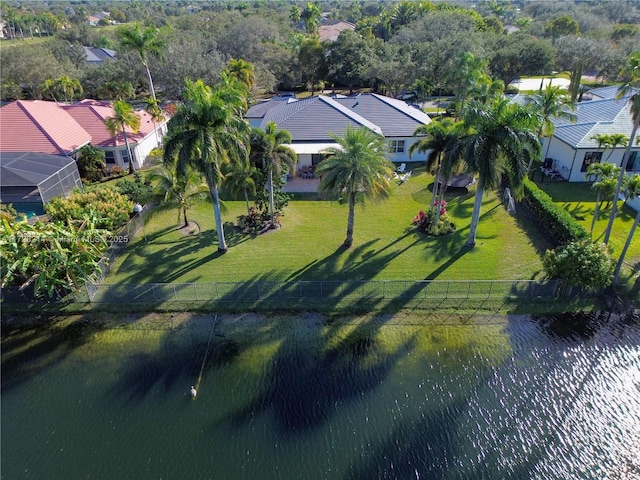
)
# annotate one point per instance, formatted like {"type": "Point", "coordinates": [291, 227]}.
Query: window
{"type": "Point", "coordinates": [589, 158]}
{"type": "Point", "coordinates": [633, 165]}
{"type": "Point", "coordinates": [125, 156]}
{"type": "Point", "coordinates": [109, 157]}
{"type": "Point", "coordinates": [316, 158]}
{"type": "Point", "coordinates": [397, 146]}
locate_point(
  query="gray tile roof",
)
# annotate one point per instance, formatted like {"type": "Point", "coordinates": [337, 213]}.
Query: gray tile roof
{"type": "Point", "coordinates": [596, 117]}
{"type": "Point", "coordinates": [395, 117]}
{"type": "Point", "coordinates": [311, 119]}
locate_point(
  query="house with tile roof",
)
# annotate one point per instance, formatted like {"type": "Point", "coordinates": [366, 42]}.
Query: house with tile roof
{"type": "Point", "coordinates": [331, 32]}
{"type": "Point", "coordinates": [60, 129]}
{"type": "Point", "coordinates": [96, 56]}
{"type": "Point", "coordinates": [312, 120]}
{"type": "Point", "coordinates": [572, 147]}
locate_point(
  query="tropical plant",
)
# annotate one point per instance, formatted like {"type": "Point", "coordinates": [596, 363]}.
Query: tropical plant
{"type": "Point", "coordinates": [582, 264]}
{"type": "Point", "coordinates": [124, 116]}
{"type": "Point", "coordinates": [180, 190]}
{"type": "Point", "coordinates": [64, 88]}
{"type": "Point", "coordinates": [467, 71]}
{"type": "Point", "coordinates": [270, 149]}
{"type": "Point", "coordinates": [243, 71]}
{"type": "Point", "coordinates": [143, 41]}
{"type": "Point", "coordinates": [311, 15]}
{"type": "Point", "coordinates": [550, 103]}
{"type": "Point", "coordinates": [241, 177]}
{"type": "Point", "coordinates": [499, 140]}
{"type": "Point", "coordinates": [91, 163]}
{"type": "Point", "coordinates": [115, 90]}
{"type": "Point", "coordinates": [138, 190]}
{"type": "Point", "coordinates": [53, 258]}
{"type": "Point", "coordinates": [631, 72]}
{"type": "Point", "coordinates": [355, 169]}
{"type": "Point", "coordinates": [109, 208]}
{"type": "Point", "coordinates": [604, 185]}
{"type": "Point", "coordinates": [631, 191]}
{"type": "Point", "coordinates": [438, 139]}
{"type": "Point", "coordinates": [156, 114]}
{"type": "Point", "coordinates": [206, 132]}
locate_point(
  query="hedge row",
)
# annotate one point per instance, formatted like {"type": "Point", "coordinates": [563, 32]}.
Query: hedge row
{"type": "Point", "coordinates": [556, 221]}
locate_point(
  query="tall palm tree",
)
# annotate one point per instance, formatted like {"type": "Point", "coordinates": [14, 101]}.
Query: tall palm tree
{"type": "Point", "coordinates": [499, 141]}
{"type": "Point", "coordinates": [143, 41]}
{"type": "Point", "coordinates": [181, 190]}
{"type": "Point", "coordinates": [205, 133]}
{"type": "Point", "coordinates": [604, 185]}
{"type": "Point", "coordinates": [269, 147]}
{"type": "Point", "coordinates": [355, 169]}
{"type": "Point", "coordinates": [632, 190]}
{"type": "Point", "coordinates": [114, 90]}
{"type": "Point", "coordinates": [124, 117]}
{"type": "Point", "coordinates": [552, 102]}
{"type": "Point", "coordinates": [632, 72]}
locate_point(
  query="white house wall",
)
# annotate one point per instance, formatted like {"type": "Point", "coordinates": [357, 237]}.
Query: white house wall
{"type": "Point", "coordinates": [563, 156]}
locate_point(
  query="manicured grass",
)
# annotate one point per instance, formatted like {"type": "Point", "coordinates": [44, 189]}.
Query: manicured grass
{"type": "Point", "coordinates": [579, 200]}
{"type": "Point", "coordinates": [308, 247]}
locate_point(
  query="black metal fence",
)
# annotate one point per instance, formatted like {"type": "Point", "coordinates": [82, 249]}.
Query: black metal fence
{"type": "Point", "coordinates": [249, 292]}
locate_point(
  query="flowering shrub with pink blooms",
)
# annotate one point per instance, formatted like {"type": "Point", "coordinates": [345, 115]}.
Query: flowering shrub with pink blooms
{"type": "Point", "coordinates": [424, 221]}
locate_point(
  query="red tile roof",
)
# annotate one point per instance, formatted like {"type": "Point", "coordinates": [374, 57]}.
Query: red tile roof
{"type": "Point", "coordinates": [46, 127]}
{"type": "Point", "coordinates": [39, 126]}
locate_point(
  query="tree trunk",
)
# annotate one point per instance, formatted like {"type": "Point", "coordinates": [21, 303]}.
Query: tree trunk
{"type": "Point", "coordinates": [438, 208]}
{"type": "Point", "coordinates": [595, 214]}
{"type": "Point", "coordinates": [153, 92]}
{"type": "Point", "coordinates": [271, 203]}
{"type": "Point", "coordinates": [435, 183]}
{"type": "Point", "coordinates": [352, 209]}
{"type": "Point", "coordinates": [625, 160]}
{"type": "Point", "coordinates": [616, 274]}
{"type": "Point", "coordinates": [246, 199]}
{"type": "Point", "coordinates": [126, 142]}
{"type": "Point", "coordinates": [215, 199]}
{"type": "Point", "coordinates": [475, 216]}
{"type": "Point", "coordinates": [184, 212]}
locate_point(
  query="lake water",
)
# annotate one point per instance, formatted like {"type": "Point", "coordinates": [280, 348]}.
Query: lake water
{"type": "Point", "coordinates": [397, 397]}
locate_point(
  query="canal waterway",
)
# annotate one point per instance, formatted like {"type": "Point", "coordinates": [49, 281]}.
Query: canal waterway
{"type": "Point", "coordinates": [311, 397]}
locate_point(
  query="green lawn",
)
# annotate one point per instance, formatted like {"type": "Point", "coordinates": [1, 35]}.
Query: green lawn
{"type": "Point", "coordinates": [579, 200]}
{"type": "Point", "coordinates": [308, 246]}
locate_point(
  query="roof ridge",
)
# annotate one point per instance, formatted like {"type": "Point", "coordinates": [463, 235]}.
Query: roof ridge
{"type": "Point", "coordinates": [37, 122]}
{"type": "Point", "coordinates": [351, 114]}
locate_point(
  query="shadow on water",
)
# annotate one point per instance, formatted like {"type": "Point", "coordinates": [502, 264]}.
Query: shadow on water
{"type": "Point", "coordinates": [29, 351]}
{"type": "Point", "coordinates": [308, 383]}
{"type": "Point", "coordinates": [177, 362]}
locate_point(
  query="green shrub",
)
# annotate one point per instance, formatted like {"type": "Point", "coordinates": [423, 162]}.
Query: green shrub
{"type": "Point", "coordinates": [559, 223]}
{"type": "Point", "coordinates": [581, 264]}
{"type": "Point", "coordinates": [424, 221]}
{"type": "Point", "coordinates": [111, 209]}
{"type": "Point", "coordinates": [137, 190]}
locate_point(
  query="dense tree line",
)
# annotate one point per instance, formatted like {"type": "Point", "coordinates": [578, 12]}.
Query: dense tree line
{"type": "Point", "coordinates": [407, 46]}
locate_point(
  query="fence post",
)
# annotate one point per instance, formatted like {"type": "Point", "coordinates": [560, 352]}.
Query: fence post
{"type": "Point", "coordinates": [195, 286]}
{"type": "Point", "coordinates": [175, 295]}
{"type": "Point", "coordinates": [446, 294]}
{"type": "Point", "coordinates": [490, 287]}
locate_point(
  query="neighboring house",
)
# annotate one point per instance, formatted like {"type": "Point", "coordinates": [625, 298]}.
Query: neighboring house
{"type": "Point", "coordinates": [332, 32]}
{"type": "Point", "coordinates": [33, 178]}
{"type": "Point", "coordinates": [311, 120]}
{"type": "Point", "coordinates": [56, 129]}
{"type": "Point", "coordinates": [572, 147]}
{"type": "Point", "coordinates": [95, 56]}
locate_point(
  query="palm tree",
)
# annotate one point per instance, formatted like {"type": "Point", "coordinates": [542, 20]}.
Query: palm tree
{"type": "Point", "coordinates": [498, 142]}
{"type": "Point", "coordinates": [114, 90]}
{"type": "Point", "coordinates": [355, 169]}
{"type": "Point", "coordinates": [205, 133]}
{"type": "Point", "coordinates": [124, 116]}
{"type": "Point", "coordinates": [270, 148]}
{"type": "Point", "coordinates": [604, 185]}
{"type": "Point", "coordinates": [632, 72]}
{"type": "Point", "coordinates": [144, 42]}
{"type": "Point", "coordinates": [154, 110]}
{"type": "Point", "coordinates": [632, 190]}
{"type": "Point", "coordinates": [438, 138]}
{"type": "Point", "coordinates": [243, 71]}
{"type": "Point", "coordinates": [240, 177]}
{"type": "Point", "coordinates": [552, 102]}
{"type": "Point", "coordinates": [180, 190]}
